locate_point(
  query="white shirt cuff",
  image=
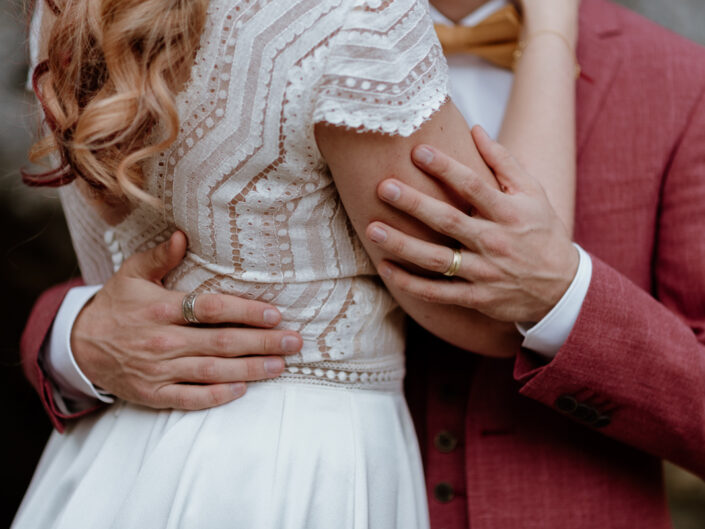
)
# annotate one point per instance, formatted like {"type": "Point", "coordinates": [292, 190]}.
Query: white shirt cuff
{"type": "Point", "coordinates": [549, 335]}
{"type": "Point", "coordinates": [61, 367]}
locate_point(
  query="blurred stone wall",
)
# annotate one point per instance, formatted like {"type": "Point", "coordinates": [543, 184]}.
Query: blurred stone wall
{"type": "Point", "coordinates": [36, 253]}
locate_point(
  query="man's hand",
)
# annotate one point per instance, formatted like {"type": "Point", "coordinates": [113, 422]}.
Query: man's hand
{"type": "Point", "coordinates": [517, 258]}
{"type": "Point", "coordinates": [132, 341]}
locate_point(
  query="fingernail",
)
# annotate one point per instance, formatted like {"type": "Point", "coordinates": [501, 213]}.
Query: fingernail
{"type": "Point", "coordinates": [271, 317]}
{"type": "Point", "coordinates": [423, 155]}
{"type": "Point", "coordinates": [390, 191]}
{"type": "Point", "coordinates": [378, 234]}
{"type": "Point", "coordinates": [385, 271]}
{"type": "Point", "coordinates": [274, 366]}
{"type": "Point", "coordinates": [290, 344]}
{"type": "Point", "coordinates": [238, 389]}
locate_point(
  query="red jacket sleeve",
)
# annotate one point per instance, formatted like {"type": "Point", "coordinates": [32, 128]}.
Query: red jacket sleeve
{"type": "Point", "coordinates": [634, 365]}
{"type": "Point", "coordinates": [34, 336]}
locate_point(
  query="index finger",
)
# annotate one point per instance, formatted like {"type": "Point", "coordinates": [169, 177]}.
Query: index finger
{"type": "Point", "coordinates": [218, 309]}
{"type": "Point", "coordinates": [468, 184]}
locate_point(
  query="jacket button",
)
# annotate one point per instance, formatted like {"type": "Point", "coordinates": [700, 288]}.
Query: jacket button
{"type": "Point", "coordinates": [443, 492]}
{"type": "Point", "coordinates": [566, 404]}
{"type": "Point", "coordinates": [602, 421]}
{"type": "Point", "coordinates": [586, 413]}
{"type": "Point", "coordinates": [445, 442]}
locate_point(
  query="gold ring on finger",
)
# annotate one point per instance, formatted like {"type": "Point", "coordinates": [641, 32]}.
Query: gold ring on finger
{"type": "Point", "coordinates": [188, 306]}
{"type": "Point", "coordinates": [455, 264]}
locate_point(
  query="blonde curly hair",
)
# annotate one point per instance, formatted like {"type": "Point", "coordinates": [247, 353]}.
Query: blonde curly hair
{"type": "Point", "coordinates": [108, 86]}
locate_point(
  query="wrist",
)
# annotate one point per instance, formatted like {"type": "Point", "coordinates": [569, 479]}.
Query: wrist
{"type": "Point", "coordinates": [78, 344]}
{"type": "Point", "coordinates": [566, 270]}
{"type": "Point", "coordinates": [551, 24]}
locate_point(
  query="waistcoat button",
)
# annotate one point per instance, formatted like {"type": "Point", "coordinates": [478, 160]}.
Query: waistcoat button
{"type": "Point", "coordinates": [445, 442]}
{"type": "Point", "coordinates": [443, 492]}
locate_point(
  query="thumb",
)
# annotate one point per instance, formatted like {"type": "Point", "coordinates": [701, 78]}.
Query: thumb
{"type": "Point", "coordinates": [509, 173]}
{"type": "Point", "coordinates": [155, 263]}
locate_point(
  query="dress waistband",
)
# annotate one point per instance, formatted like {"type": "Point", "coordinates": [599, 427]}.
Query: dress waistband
{"type": "Point", "coordinates": [384, 375]}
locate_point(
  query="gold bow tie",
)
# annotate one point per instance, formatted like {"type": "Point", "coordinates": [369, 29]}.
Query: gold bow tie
{"type": "Point", "coordinates": [495, 39]}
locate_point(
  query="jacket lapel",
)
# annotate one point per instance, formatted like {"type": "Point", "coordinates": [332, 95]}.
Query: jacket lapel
{"type": "Point", "coordinates": [599, 61]}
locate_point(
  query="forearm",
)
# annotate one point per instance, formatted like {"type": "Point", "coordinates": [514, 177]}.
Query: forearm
{"type": "Point", "coordinates": [539, 124]}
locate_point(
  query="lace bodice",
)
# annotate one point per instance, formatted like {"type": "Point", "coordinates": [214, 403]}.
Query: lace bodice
{"type": "Point", "coordinates": [245, 180]}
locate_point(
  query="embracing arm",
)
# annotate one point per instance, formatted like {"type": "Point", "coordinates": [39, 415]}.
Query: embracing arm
{"type": "Point", "coordinates": [132, 342]}
{"type": "Point", "coordinates": [636, 359]}
{"type": "Point", "coordinates": [34, 338]}
{"type": "Point", "coordinates": [539, 123]}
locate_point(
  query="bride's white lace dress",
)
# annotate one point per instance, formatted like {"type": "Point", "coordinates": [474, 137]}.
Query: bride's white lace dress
{"type": "Point", "coordinates": [330, 444]}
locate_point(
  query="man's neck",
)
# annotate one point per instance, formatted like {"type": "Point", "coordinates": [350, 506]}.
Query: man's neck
{"type": "Point", "coordinates": [456, 10]}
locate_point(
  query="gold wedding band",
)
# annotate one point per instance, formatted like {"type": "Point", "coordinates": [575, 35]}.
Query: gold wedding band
{"type": "Point", "coordinates": [455, 264]}
{"type": "Point", "coordinates": [188, 306]}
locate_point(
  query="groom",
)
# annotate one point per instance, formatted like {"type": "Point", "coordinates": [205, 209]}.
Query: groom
{"type": "Point", "coordinates": [570, 442]}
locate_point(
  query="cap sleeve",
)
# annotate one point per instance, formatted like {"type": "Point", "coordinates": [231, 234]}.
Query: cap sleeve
{"type": "Point", "coordinates": [385, 71]}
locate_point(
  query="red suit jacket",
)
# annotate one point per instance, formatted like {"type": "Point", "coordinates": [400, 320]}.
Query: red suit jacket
{"type": "Point", "coordinates": [576, 443]}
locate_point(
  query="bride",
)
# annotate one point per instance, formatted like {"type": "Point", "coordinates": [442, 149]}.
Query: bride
{"type": "Point", "coordinates": [261, 130]}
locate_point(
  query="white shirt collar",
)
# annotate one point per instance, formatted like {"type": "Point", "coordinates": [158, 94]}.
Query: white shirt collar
{"type": "Point", "coordinates": [473, 18]}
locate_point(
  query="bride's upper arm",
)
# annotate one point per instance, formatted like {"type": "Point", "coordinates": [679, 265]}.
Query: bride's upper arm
{"type": "Point", "coordinates": [360, 161]}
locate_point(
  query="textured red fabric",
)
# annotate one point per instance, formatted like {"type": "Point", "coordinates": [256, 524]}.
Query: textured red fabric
{"type": "Point", "coordinates": [35, 334]}
{"type": "Point", "coordinates": [635, 362]}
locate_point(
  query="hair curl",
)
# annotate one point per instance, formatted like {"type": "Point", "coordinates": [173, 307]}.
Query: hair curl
{"type": "Point", "coordinates": [108, 89]}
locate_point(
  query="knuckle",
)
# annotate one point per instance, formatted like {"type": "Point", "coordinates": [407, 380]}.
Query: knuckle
{"type": "Point", "coordinates": [183, 401]}
{"type": "Point", "coordinates": [142, 395]}
{"type": "Point", "coordinates": [498, 246]}
{"type": "Point", "coordinates": [449, 221]}
{"type": "Point", "coordinates": [221, 340]}
{"type": "Point", "coordinates": [253, 312]}
{"type": "Point", "coordinates": [270, 343]}
{"type": "Point", "coordinates": [205, 370]}
{"type": "Point", "coordinates": [154, 259]}
{"type": "Point", "coordinates": [159, 344]}
{"type": "Point", "coordinates": [414, 203]}
{"type": "Point", "coordinates": [155, 369]}
{"type": "Point", "coordinates": [471, 186]}
{"type": "Point", "coordinates": [214, 396]}
{"type": "Point", "coordinates": [480, 298]}
{"type": "Point", "coordinates": [428, 294]}
{"type": "Point", "coordinates": [441, 165]}
{"type": "Point", "coordinates": [439, 262]}
{"type": "Point", "coordinates": [469, 298]}
{"type": "Point", "coordinates": [485, 239]}
{"type": "Point", "coordinates": [509, 215]}
{"type": "Point", "coordinates": [397, 245]}
{"type": "Point", "coordinates": [253, 367]}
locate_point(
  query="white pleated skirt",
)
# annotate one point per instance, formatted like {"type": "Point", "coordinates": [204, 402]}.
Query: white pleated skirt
{"type": "Point", "coordinates": [285, 456]}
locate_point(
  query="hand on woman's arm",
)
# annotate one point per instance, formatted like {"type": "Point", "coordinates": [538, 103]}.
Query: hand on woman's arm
{"type": "Point", "coordinates": [517, 261]}
{"type": "Point", "coordinates": [359, 162]}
